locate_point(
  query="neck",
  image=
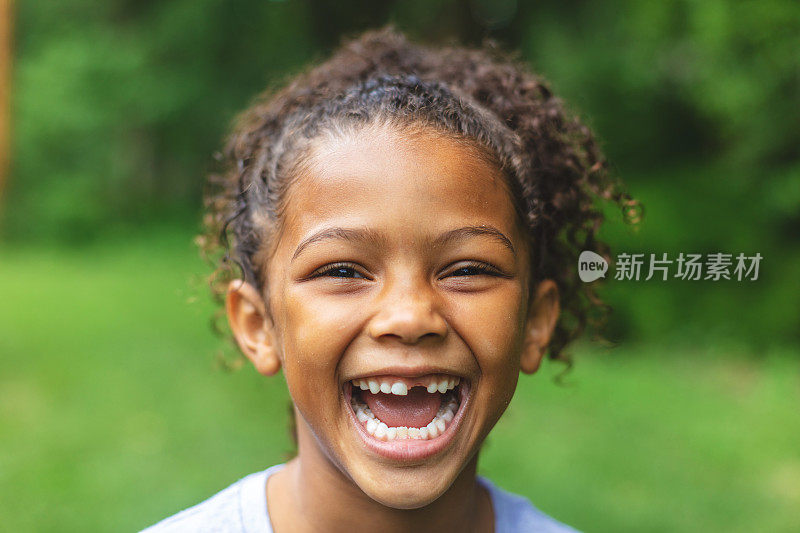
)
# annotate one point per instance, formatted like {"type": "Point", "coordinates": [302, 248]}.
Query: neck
{"type": "Point", "coordinates": [312, 494]}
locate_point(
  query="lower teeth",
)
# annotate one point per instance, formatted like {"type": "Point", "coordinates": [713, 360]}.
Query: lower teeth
{"type": "Point", "coordinates": [381, 431]}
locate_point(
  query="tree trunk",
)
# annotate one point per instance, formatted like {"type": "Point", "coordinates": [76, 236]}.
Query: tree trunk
{"type": "Point", "coordinates": [6, 28]}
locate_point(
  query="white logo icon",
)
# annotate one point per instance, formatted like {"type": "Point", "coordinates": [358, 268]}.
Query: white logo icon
{"type": "Point", "coordinates": [591, 266]}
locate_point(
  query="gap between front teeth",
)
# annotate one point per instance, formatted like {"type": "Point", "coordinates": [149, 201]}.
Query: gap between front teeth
{"type": "Point", "coordinates": [400, 388]}
{"type": "Point", "coordinates": [381, 431]}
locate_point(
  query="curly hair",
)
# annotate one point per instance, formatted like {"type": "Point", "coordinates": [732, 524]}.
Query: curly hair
{"type": "Point", "coordinates": [551, 160]}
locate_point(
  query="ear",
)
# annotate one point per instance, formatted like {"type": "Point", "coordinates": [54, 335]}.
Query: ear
{"type": "Point", "coordinates": [252, 328]}
{"type": "Point", "coordinates": [542, 317]}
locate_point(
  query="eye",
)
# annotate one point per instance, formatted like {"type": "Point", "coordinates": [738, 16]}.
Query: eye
{"type": "Point", "coordinates": [474, 269]}
{"type": "Point", "coordinates": [338, 270]}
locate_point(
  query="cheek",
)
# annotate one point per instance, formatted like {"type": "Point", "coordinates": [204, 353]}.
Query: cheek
{"type": "Point", "coordinates": [315, 334]}
{"type": "Point", "coordinates": [491, 326]}
{"type": "Point", "coordinates": [493, 330]}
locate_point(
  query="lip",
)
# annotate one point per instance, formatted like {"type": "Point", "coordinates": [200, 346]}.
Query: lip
{"type": "Point", "coordinates": [406, 372]}
{"type": "Point", "coordinates": [409, 450]}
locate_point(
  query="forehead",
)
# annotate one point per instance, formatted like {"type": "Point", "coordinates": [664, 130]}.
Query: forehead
{"type": "Point", "coordinates": [415, 182]}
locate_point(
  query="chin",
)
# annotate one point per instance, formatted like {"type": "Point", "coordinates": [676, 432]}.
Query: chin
{"type": "Point", "coordinates": [413, 492]}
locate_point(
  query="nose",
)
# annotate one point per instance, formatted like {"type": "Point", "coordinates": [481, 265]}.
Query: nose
{"type": "Point", "coordinates": [408, 313]}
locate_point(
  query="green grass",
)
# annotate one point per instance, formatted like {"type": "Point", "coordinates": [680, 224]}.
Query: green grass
{"type": "Point", "coordinates": [113, 414]}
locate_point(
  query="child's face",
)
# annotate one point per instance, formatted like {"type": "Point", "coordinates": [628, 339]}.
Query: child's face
{"type": "Point", "coordinates": [399, 261]}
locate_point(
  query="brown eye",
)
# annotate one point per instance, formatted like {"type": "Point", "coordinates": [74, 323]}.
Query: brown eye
{"type": "Point", "coordinates": [338, 270]}
{"type": "Point", "coordinates": [474, 269]}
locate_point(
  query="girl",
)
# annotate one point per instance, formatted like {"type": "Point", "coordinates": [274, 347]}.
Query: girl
{"type": "Point", "coordinates": [406, 221]}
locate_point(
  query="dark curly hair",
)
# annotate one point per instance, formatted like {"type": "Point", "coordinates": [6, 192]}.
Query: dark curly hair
{"type": "Point", "coordinates": [551, 160]}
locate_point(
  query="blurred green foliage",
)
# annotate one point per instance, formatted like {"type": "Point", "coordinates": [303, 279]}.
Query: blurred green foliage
{"type": "Point", "coordinates": [119, 105]}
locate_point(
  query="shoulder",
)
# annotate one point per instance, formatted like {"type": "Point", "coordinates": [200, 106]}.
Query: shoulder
{"type": "Point", "coordinates": [239, 508]}
{"type": "Point", "coordinates": [517, 514]}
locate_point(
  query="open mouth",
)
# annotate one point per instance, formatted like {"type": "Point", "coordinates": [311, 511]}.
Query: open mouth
{"type": "Point", "coordinates": [407, 418]}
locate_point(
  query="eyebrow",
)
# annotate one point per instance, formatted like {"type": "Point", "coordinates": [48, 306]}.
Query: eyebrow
{"type": "Point", "coordinates": [346, 234]}
{"type": "Point", "coordinates": [471, 231]}
{"type": "Point", "coordinates": [372, 236]}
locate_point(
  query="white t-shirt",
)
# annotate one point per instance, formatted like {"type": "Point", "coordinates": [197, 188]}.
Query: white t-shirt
{"type": "Point", "coordinates": [242, 508]}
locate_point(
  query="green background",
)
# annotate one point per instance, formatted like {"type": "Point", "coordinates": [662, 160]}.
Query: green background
{"type": "Point", "coordinates": [114, 411]}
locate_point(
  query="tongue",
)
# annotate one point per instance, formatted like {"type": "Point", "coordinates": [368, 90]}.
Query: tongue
{"type": "Point", "coordinates": [415, 410]}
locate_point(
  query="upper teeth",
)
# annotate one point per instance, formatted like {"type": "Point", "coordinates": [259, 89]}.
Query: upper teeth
{"type": "Point", "coordinates": [400, 386]}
